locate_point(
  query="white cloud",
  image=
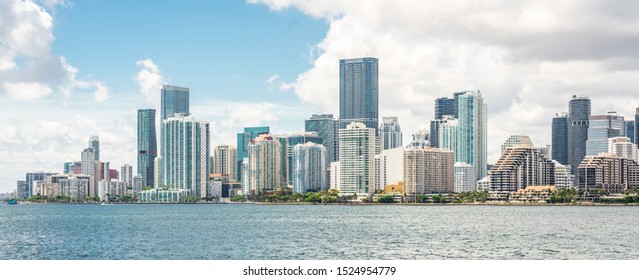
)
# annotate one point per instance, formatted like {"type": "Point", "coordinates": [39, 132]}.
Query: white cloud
{"type": "Point", "coordinates": [27, 62]}
{"type": "Point", "coordinates": [149, 80]}
{"type": "Point", "coordinates": [527, 58]}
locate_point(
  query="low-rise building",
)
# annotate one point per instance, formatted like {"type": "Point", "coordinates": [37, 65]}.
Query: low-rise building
{"type": "Point", "coordinates": [532, 194]}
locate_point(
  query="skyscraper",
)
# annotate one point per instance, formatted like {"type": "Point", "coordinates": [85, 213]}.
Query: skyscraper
{"type": "Point", "coordinates": [225, 161]}
{"type": "Point", "coordinates": [310, 162]}
{"type": "Point", "coordinates": [185, 153]}
{"type": "Point", "coordinates": [630, 130]}
{"type": "Point", "coordinates": [243, 140]}
{"type": "Point", "coordinates": [578, 118]}
{"type": "Point", "coordinates": [622, 147]}
{"type": "Point", "coordinates": [391, 133]}
{"type": "Point", "coordinates": [291, 141]}
{"type": "Point", "coordinates": [126, 174]}
{"type": "Point", "coordinates": [174, 100]}
{"type": "Point", "coordinates": [427, 171]}
{"type": "Point", "coordinates": [357, 160]}
{"type": "Point", "coordinates": [94, 144]}
{"type": "Point", "coordinates": [327, 128]}
{"type": "Point", "coordinates": [147, 146]}
{"type": "Point", "coordinates": [264, 164]}
{"type": "Point", "coordinates": [448, 134]}
{"type": "Point", "coordinates": [560, 125]}
{"type": "Point", "coordinates": [473, 127]}
{"type": "Point", "coordinates": [600, 128]}
{"type": "Point", "coordinates": [445, 106]}
{"type": "Point", "coordinates": [89, 168]}
{"type": "Point", "coordinates": [359, 92]}
{"type": "Point", "coordinates": [636, 139]}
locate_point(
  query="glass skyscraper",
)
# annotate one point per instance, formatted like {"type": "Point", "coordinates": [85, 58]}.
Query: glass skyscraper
{"type": "Point", "coordinates": [243, 140]}
{"type": "Point", "coordinates": [291, 141]}
{"type": "Point", "coordinates": [560, 127]}
{"type": "Point", "coordinates": [578, 119]}
{"type": "Point", "coordinates": [174, 100]}
{"type": "Point", "coordinates": [326, 127]}
{"type": "Point", "coordinates": [472, 135]}
{"type": "Point", "coordinates": [310, 162]}
{"type": "Point", "coordinates": [601, 128]}
{"type": "Point", "coordinates": [94, 143]}
{"type": "Point", "coordinates": [147, 146]}
{"type": "Point", "coordinates": [185, 154]}
{"type": "Point", "coordinates": [359, 92]}
{"type": "Point", "coordinates": [630, 130]}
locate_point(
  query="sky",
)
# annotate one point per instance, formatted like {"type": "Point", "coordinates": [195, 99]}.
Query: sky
{"type": "Point", "coordinates": [72, 69]}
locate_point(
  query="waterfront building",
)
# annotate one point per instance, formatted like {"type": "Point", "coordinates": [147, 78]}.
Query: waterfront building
{"type": "Point", "coordinates": [31, 178]}
{"type": "Point", "coordinates": [560, 127]}
{"type": "Point", "coordinates": [600, 128]}
{"type": "Point", "coordinates": [158, 174]}
{"type": "Point", "coordinates": [89, 168]}
{"type": "Point", "coordinates": [532, 194]}
{"type": "Point", "coordinates": [225, 161]}
{"type": "Point", "coordinates": [22, 189]}
{"type": "Point", "coordinates": [243, 140]}
{"type": "Point", "coordinates": [289, 142]}
{"type": "Point", "coordinates": [578, 119]}
{"type": "Point", "coordinates": [564, 178]}
{"type": "Point", "coordinates": [264, 165]}
{"type": "Point", "coordinates": [389, 166]}
{"type": "Point", "coordinates": [472, 140]}
{"type": "Point", "coordinates": [147, 146]}
{"type": "Point", "coordinates": [326, 128]}
{"type": "Point", "coordinates": [636, 139]}
{"type": "Point", "coordinates": [607, 172]}
{"type": "Point", "coordinates": [137, 183]}
{"type": "Point", "coordinates": [629, 130]}
{"type": "Point", "coordinates": [623, 147]}
{"type": "Point", "coordinates": [357, 160]}
{"type": "Point", "coordinates": [390, 133]}
{"type": "Point", "coordinates": [126, 174]}
{"type": "Point", "coordinates": [159, 195]}
{"type": "Point", "coordinates": [310, 161]}
{"type": "Point", "coordinates": [515, 140]}
{"type": "Point", "coordinates": [334, 175]}
{"type": "Point", "coordinates": [420, 139]}
{"type": "Point", "coordinates": [428, 171]}
{"type": "Point", "coordinates": [519, 167]}
{"type": "Point", "coordinates": [359, 92]}
{"type": "Point", "coordinates": [174, 100]}
{"type": "Point", "coordinates": [245, 177]}
{"type": "Point", "coordinates": [185, 153]}
{"type": "Point", "coordinates": [465, 177]}
{"type": "Point", "coordinates": [484, 184]}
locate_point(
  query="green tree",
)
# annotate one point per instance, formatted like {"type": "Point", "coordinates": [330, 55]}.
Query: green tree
{"type": "Point", "coordinates": [238, 198]}
{"type": "Point", "coordinates": [386, 199]}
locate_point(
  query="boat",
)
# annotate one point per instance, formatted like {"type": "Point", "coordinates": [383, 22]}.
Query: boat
{"type": "Point", "coordinates": [12, 201]}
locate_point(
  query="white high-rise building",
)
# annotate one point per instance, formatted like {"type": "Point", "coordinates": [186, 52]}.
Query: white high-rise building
{"type": "Point", "coordinates": [309, 167]}
{"type": "Point", "coordinates": [448, 133]}
{"type": "Point", "coordinates": [563, 176]}
{"type": "Point", "coordinates": [126, 174]}
{"type": "Point", "coordinates": [334, 175]}
{"type": "Point", "coordinates": [515, 140]}
{"type": "Point", "coordinates": [185, 153]}
{"type": "Point", "coordinates": [357, 145]}
{"type": "Point", "coordinates": [465, 177]}
{"type": "Point", "coordinates": [225, 161]}
{"type": "Point", "coordinates": [88, 168]}
{"type": "Point", "coordinates": [264, 164]}
{"type": "Point", "coordinates": [623, 147]}
{"type": "Point", "coordinates": [389, 166]}
{"type": "Point", "coordinates": [473, 128]}
{"type": "Point", "coordinates": [391, 133]}
{"type": "Point", "coordinates": [420, 139]}
{"type": "Point", "coordinates": [157, 172]}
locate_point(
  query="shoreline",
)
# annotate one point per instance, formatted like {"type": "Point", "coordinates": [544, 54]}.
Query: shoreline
{"type": "Point", "coordinates": [340, 204]}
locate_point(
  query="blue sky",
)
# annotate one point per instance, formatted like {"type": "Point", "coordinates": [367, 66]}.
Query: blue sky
{"type": "Point", "coordinates": [72, 69]}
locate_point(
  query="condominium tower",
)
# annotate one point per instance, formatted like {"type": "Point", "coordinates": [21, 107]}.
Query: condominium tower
{"type": "Point", "coordinates": [174, 100]}
{"type": "Point", "coordinates": [326, 128]}
{"type": "Point", "coordinates": [391, 133]}
{"type": "Point", "coordinates": [310, 165]}
{"type": "Point", "coordinates": [225, 161]}
{"type": "Point", "coordinates": [359, 92]}
{"type": "Point", "coordinates": [357, 160]}
{"type": "Point", "coordinates": [578, 120]}
{"type": "Point", "coordinates": [264, 164]}
{"type": "Point", "coordinates": [147, 146]}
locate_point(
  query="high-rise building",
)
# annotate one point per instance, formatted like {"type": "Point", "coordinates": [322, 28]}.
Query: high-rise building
{"type": "Point", "coordinates": [473, 131]}
{"type": "Point", "coordinates": [147, 146]}
{"type": "Point", "coordinates": [264, 164]}
{"type": "Point", "coordinates": [89, 169]}
{"type": "Point", "coordinates": [420, 139]}
{"type": "Point", "coordinates": [391, 133]}
{"type": "Point", "coordinates": [225, 161]}
{"type": "Point", "coordinates": [174, 100]}
{"type": "Point", "coordinates": [622, 147]}
{"type": "Point", "coordinates": [448, 134]}
{"type": "Point", "coordinates": [445, 106]}
{"type": "Point", "coordinates": [185, 153]}
{"type": "Point", "coordinates": [114, 174]}
{"type": "Point", "coordinates": [94, 144]}
{"type": "Point", "coordinates": [600, 128]}
{"type": "Point", "coordinates": [158, 176]}
{"type": "Point", "coordinates": [630, 130]}
{"type": "Point", "coordinates": [291, 141]}
{"type": "Point", "coordinates": [636, 139]}
{"type": "Point", "coordinates": [326, 127]}
{"type": "Point", "coordinates": [519, 167]}
{"type": "Point", "coordinates": [126, 174]}
{"type": "Point", "coordinates": [563, 175]}
{"type": "Point", "coordinates": [310, 161]}
{"type": "Point", "coordinates": [515, 140]}
{"type": "Point", "coordinates": [607, 172]}
{"type": "Point", "coordinates": [359, 92]}
{"type": "Point", "coordinates": [357, 160]}
{"type": "Point", "coordinates": [137, 183]}
{"type": "Point", "coordinates": [389, 166]}
{"type": "Point", "coordinates": [578, 119]}
{"type": "Point", "coordinates": [22, 189]}
{"type": "Point", "coordinates": [243, 140]}
{"type": "Point", "coordinates": [428, 171]}
{"type": "Point", "coordinates": [68, 167]}
{"type": "Point", "coordinates": [560, 126]}
{"type": "Point", "coordinates": [465, 177]}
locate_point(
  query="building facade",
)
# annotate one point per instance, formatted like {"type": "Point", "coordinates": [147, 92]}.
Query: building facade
{"type": "Point", "coordinates": [174, 99]}
{"type": "Point", "coordinates": [578, 119]}
{"type": "Point", "coordinates": [519, 167]}
{"type": "Point", "coordinates": [472, 140]}
{"type": "Point", "coordinates": [389, 166]}
{"type": "Point", "coordinates": [623, 147]}
{"type": "Point", "coordinates": [600, 128]}
{"type": "Point", "coordinates": [420, 139]}
{"type": "Point", "coordinates": [147, 146]}
{"type": "Point", "coordinates": [465, 177]}
{"type": "Point", "coordinates": [515, 140]}
{"type": "Point", "coordinates": [630, 130]}
{"type": "Point", "coordinates": [326, 128]}
{"type": "Point", "coordinates": [310, 161]}
{"type": "Point", "coordinates": [185, 153]}
{"type": "Point", "coordinates": [357, 160]}
{"type": "Point", "coordinates": [225, 161]}
{"type": "Point", "coordinates": [607, 172]}
{"type": "Point", "coordinates": [264, 165]}
{"type": "Point", "coordinates": [243, 140]}
{"type": "Point", "coordinates": [291, 141]}
{"type": "Point", "coordinates": [560, 126]}
{"type": "Point", "coordinates": [359, 92]}
{"type": "Point", "coordinates": [126, 174]}
{"type": "Point", "coordinates": [391, 133]}
{"type": "Point", "coordinates": [428, 171]}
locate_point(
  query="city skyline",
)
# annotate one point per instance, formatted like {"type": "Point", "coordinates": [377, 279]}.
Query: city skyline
{"type": "Point", "coordinates": [523, 83]}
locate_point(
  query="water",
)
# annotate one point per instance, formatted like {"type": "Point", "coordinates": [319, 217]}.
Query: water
{"type": "Point", "coordinates": [276, 232]}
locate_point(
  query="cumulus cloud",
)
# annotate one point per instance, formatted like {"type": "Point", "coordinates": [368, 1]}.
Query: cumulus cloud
{"type": "Point", "coordinates": [149, 81]}
{"type": "Point", "coordinates": [527, 58]}
{"type": "Point", "coordinates": [28, 68]}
